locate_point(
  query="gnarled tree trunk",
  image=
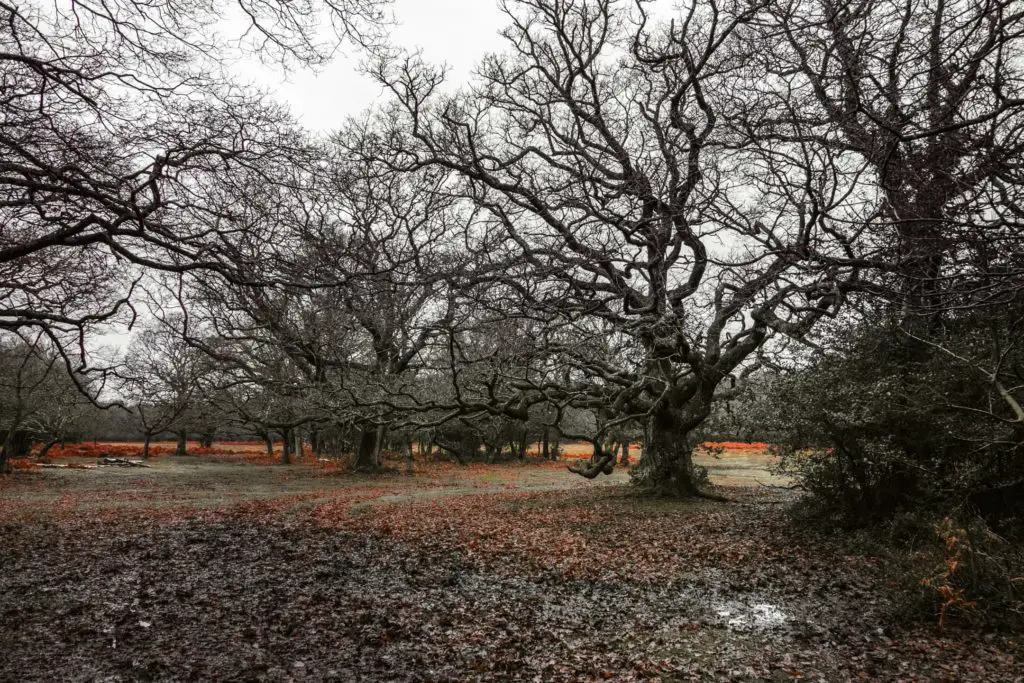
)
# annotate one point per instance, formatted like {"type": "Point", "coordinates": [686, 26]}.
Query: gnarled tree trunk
{"type": "Point", "coordinates": [666, 467]}
{"type": "Point", "coordinates": [469, 446]}
{"type": "Point", "coordinates": [182, 447]}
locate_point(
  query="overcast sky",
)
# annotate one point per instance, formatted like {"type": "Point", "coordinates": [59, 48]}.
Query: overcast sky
{"type": "Point", "coordinates": [455, 32]}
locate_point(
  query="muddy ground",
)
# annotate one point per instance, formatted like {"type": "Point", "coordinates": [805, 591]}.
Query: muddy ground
{"type": "Point", "coordinates": [209, 569]}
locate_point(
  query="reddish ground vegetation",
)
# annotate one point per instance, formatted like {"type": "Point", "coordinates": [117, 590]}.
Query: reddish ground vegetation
{"type": "Point", "coordinates": [133, 449]}
{"type": "Point", "coordinates": [93, 449]}
{"type": "Point", "coordinates": [255, 451]}
{"type": "Point", "coordinates": [22, 464]}
{"type": "Point", "coordinates": [736, 445]}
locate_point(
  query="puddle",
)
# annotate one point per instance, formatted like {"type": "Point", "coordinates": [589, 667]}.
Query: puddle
{"type": "Point", "coordinates": [742, 617]}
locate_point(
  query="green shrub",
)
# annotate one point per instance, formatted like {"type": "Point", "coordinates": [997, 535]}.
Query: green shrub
{"type": "Point", "coordinates": [884, 421]}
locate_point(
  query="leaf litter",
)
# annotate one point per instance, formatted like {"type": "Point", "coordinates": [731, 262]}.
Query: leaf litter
{"type": "Point", "coordinates": [379, 583]}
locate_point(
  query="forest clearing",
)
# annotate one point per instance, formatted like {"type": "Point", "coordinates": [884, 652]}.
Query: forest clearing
{"type": "Point", "coordinates": [211, 567]}
{"type": "Point", "coordinates": [528, 340]}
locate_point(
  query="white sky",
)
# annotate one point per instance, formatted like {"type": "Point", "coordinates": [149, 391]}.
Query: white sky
{"type": "Point", "coordinates": [453, 32]}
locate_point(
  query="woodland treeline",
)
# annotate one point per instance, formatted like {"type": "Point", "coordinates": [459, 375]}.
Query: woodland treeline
{"type": "Point", "coordinates": [795, 221]}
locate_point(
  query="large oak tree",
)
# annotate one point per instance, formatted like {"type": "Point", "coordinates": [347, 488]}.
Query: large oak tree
{"type": "Point", "coordinates": [596, 147]}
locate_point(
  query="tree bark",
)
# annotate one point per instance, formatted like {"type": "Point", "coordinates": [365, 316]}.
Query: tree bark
{"type": "Point", "coordinates": [601, 462]}
{"type": "Point", "coordinates": [286, 448]}
{"type": "Point", "coordinates": [145, 446]}
{"type": "Point", "coordinates": [469, 447]}
{"type": "Point", "coordinates": [5, 452]}
{"type": "Point", "coordinates": [268, 439]}
{"type": "Point", "coordinates": [368, 453]}
{"type": "Point", "coordinates": [625, 452]}
{"type": "Point", "coordinates": [666, 467]}
{"type": "Point", "coordinates": [545, 448]}
{"type": "Point", "coordinates": [182, 447]}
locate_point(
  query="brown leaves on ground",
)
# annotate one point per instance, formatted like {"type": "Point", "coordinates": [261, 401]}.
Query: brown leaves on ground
{"type": "Point", "coordinates": [480, 574]}
{"type": "Point", "coordinates": [596, 534]}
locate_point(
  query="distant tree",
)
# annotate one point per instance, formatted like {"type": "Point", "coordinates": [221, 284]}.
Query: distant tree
{"type": "Point", "coordinates": [39, 400]}
{"type": "Point", "coordinates": [164, 380]}
{"type": "Point", "coordinates": [370, 260]}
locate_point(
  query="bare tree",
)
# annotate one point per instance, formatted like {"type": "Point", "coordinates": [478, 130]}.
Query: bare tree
{"type": "Point", "coordinates": [594, 147]}
{"type": "Point", "coordinates": [921, 107]}
{"type": "Point", "coordinates": [370, 258]}
{"type": "Point", "coordinates": [40, 401]}
{"type": "Point", "coordinates": [119, 126]}
{"type": "Point", "coordinates": [917, 108]}
{"type": "Point", "coordinates": [164, 379]}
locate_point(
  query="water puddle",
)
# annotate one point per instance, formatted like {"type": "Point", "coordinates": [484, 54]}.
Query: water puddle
{"type": "Point", "coordinates": [756, 616]}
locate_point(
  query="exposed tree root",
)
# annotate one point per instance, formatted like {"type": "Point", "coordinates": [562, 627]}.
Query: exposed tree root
{"type": "Point", "coordinates": [713, 496]}
{"type": "Point", "coordinates": [672, 489]}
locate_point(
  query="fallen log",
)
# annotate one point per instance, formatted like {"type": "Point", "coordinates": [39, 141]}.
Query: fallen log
{"type": "Point", "coordinates": [120, 462]}
{"type": "Point", "coordinates": [69, 466]}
